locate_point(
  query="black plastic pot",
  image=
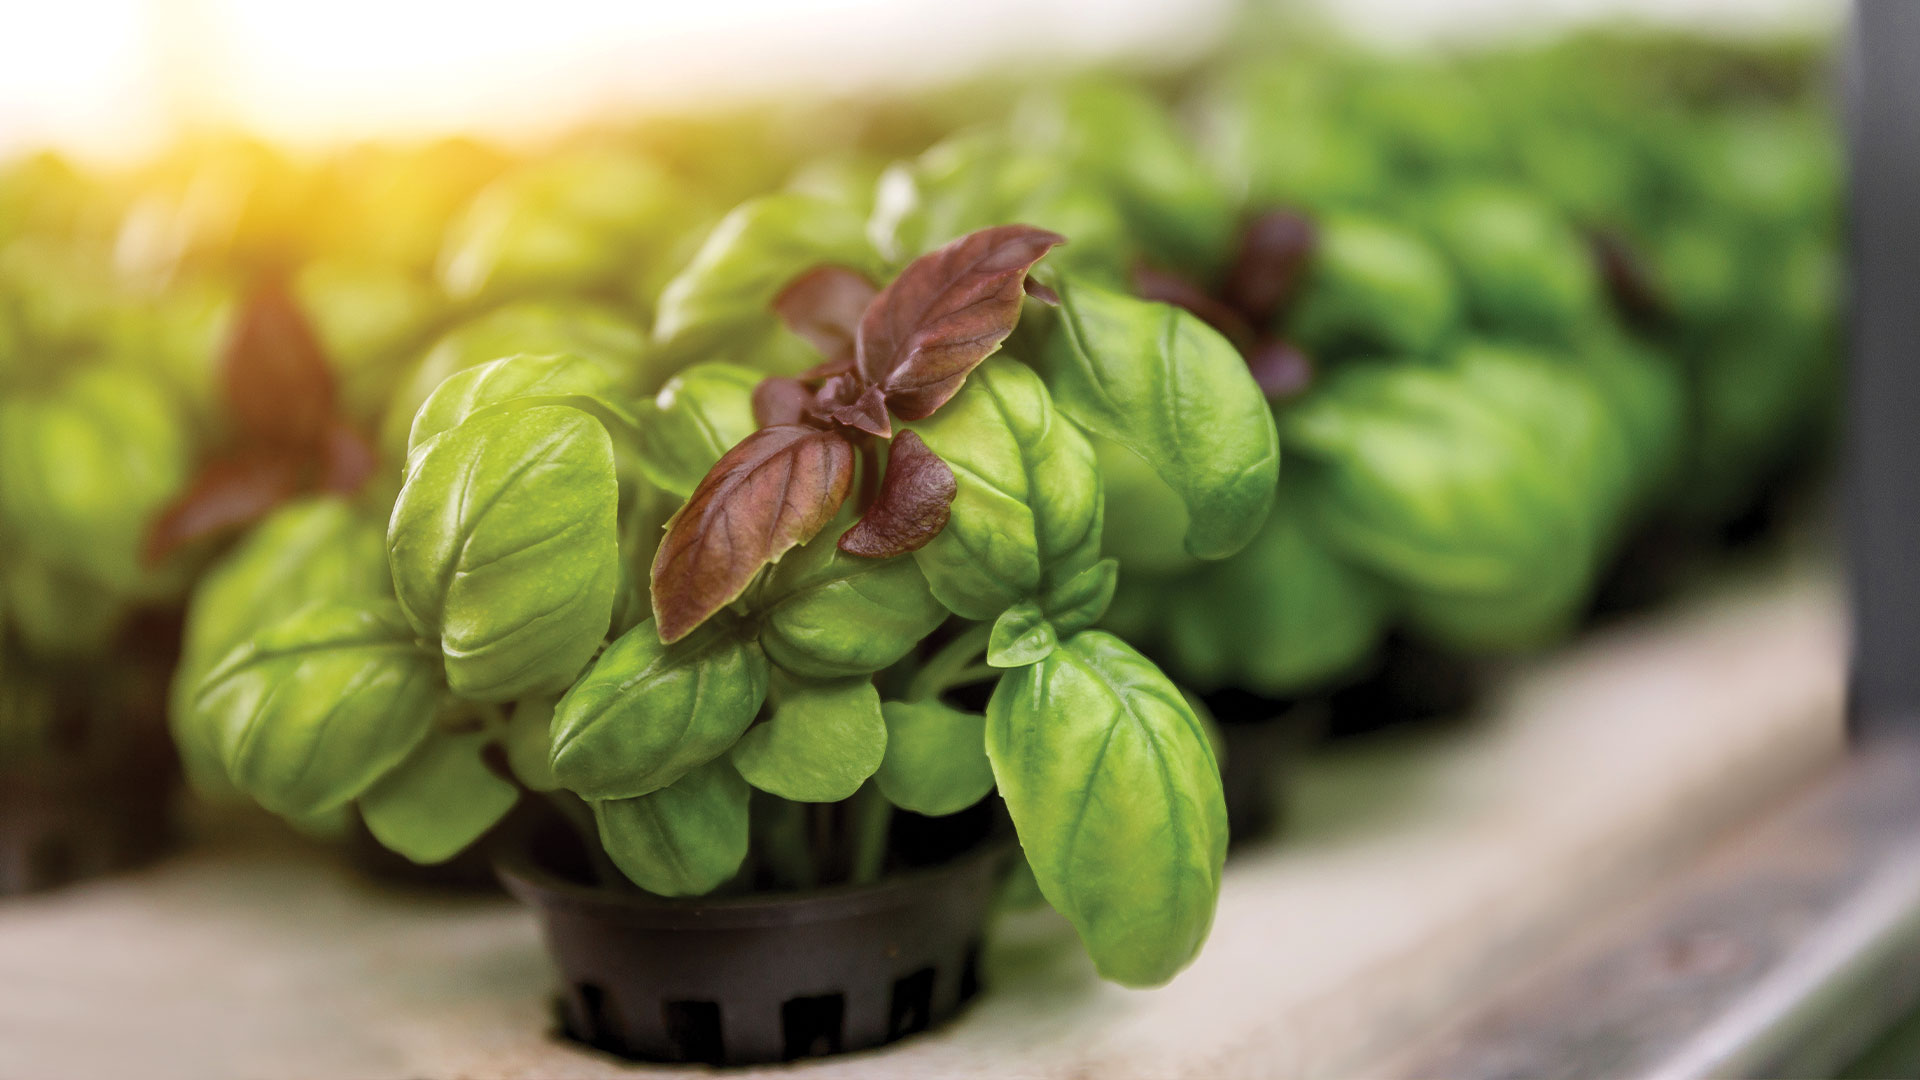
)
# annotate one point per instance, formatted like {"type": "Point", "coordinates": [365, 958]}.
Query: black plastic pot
{"type": "Point", "coordinates": [94, 795]}
{"type": "Point", "coordinates": [759, 978]}
{"type": "Point", "coordinates": [1261, 740]}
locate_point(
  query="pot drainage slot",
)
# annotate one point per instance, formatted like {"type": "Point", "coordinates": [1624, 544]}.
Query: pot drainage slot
{"type": "Point", "coordinates": [812, 1025]}
{"type": "Point", "coordinates": [693, 1029]}
{"type": "Point", "coordinates": [912, 1008]}
{"type": "Point", "coordinates": [590, 1014]}
{"type": "Point", "coordinates": [970, 972]}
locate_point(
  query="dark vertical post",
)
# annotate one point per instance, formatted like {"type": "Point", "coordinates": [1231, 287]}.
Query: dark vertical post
{"type": "Point", "coordinates": [1883, 455]}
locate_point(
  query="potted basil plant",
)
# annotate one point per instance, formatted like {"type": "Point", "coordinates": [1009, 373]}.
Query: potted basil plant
{"type": "Point", "coordinates": [766, 645]}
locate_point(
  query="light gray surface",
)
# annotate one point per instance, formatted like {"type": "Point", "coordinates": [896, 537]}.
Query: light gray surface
{"type": "Point", "coordinates": [1420, 874]}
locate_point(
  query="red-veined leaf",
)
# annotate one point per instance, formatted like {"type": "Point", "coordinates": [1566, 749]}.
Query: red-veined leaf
{"type": "Point", "coordinates": [227, 493]}
{"type": "Point", "coordinates": [946, 312]}
{"type": "Point", "coordinates": [824, 306]}
{"type": "Point", "coordinates": [1163, 287]}
{"type": "Point", "coordinates": [916, 498]}
{"type": "Point", "coordinates": [278, 386]}
{"type": "Point", "coordinates": [780, 400]}
{"type": "Point", "coordinates": [778, 488]}
{"type": "Point", "coordinates": [1274, 253]}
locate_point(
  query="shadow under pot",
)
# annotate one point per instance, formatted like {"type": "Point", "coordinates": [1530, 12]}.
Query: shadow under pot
{"type": "Point", "coordinates": [758, 978]}
{"type": "Point", "coordinates": [94, 794]}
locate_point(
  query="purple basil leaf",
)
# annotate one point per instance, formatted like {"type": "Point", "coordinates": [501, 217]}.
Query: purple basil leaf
{"type": "Point", "coordinates": [916, 497]}
{"type": "Point", "coordinates": [1275, 251]}
{"type": "Point", "coordinates": [778, 488]}
{"type": "Point", "coordinates": [946, 312]}
{"type": "Point", "coordinates": [1159, 285]}
{"type": "Point", "coordinates": [779, 400]}
{"type": "Point", "coordinates": [1281, 369]}
{"type": "Point", "coordinates": [824, 305]}
{"type": "Point", "coordinates": [848, 400]}
{"type": "Point", "coordinates": [227, 493]}
{"type": "Point", "coordinates": [279, 388]}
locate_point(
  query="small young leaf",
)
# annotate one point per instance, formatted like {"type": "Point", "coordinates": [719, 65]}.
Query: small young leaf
{"type": "Point", "coordinates": [318, 706]}
{"type": "Point", "coordinates": [278, 386]}
{"type": "Point", "coordinates": [946, 312]}
{"type": "Point", "coordinates": [916, 497]}
{"type": "Point", "coordinates": [528, 743]}
{"type": "Point", "coordinates": [1115, 793]}
{"type": "Point", "coordinates": [646, 713]}
{"type": "Point", "coordinates": [682, 840]}
{"type": "Point", "coordinates": [1021, 636]}
{"type": "Point", "coordinates": [437, 802]}
{"type": "Point", "coordinates": [1080, 601]}
{"type": "Point", "coordinates": [826, 614]}
{"type": "Point", "coordinates": [845, 399]}
{"type": "Point", "coordinates": [824, 305]}
{"type": "Point", "coordinates": [778, 488]}
{"type": "Point", "coordinates": [778, 400]}
{"type": "Point", "coordinates": [821, 744]}
{"type": "Point", "coordinates": [936, 761]}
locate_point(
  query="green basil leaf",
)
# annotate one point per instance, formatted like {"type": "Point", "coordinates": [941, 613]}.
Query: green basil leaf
{"type": "Point", "coordinates": [366, 314]}
{"type": "Point", "coordinates": [1284, 616]}
{"type": "Point", "coordinates": [1021, 636]}
{"type": "Point", "coordinates": [978, 179]}
{"type": "Point", "coordinates": [1418, 478]}
{"type": "Point", "coordinates": [438, 801]}
{"type": "Point", "coordinates": [1029, 501]}
{"type": "Point", "coordinates": [540, 327]}
{"type": "Point", "coordinates": [646, 713]}
{"type": "Point", "coordinates": [505, 549]}
{"type": "Point", "coordinates": [1525, 269]}
{"type": "Point", "coordinates": [316, 549]}
{"type": "Point", "coordinates": [821, 743]}
{"type": "Point", "coordinates": [527, 741]}
{"type": "Point", "coordinates": [1080, 601]}
{"type": "Point", "coordinates": [1373, 289]}
{"type": "Point", "coordinates": [570, 222]}
{"type": "Point", "coordinates": [936, 761]}
{"type": "Point", "coordinates": [1114, 130]}
{"type": "Point", "coordinates": [320, 705]}
{"type": "Point", "coordinates": [58, 613]}
{"type": "Point", "coordinates": [84, 466]}
{"type": "Point", "coordinates": [1116, 796]}
{"type": "Point", "coordinates": [697, 417]}
{"type": "Point", "coordinates": [721, 306]}
{"type": "Point", "coordinates": [510, 378]}
{"type": "Point", "coordinates": [1158, 381]}
{"type": "Point", "coordinates": [684, 839]}
{"type": "Point", "coordinates": [826, 614]}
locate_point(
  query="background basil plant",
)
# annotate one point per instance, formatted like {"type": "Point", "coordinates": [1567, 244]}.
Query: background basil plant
{"type": "Point", "coordinates": [754, 600]}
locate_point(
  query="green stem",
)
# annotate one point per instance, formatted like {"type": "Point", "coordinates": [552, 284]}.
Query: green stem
{"type": "Point", "coordinates": [872, 822]}
{"type": "Point", "coordinates": [945, 668]}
